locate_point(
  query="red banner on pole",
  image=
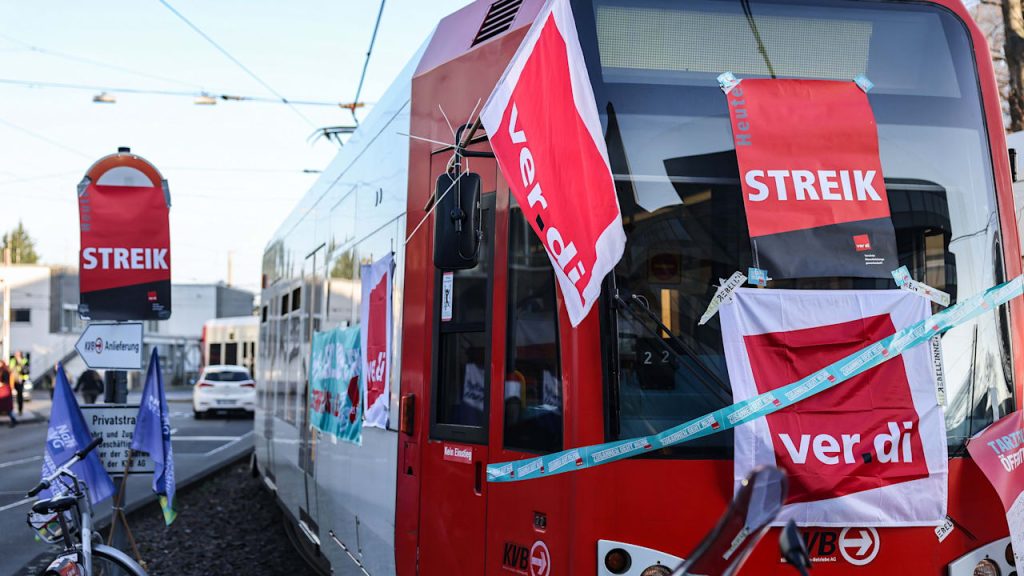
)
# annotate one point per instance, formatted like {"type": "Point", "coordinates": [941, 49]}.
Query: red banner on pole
{"type": "Point", "coordinates": [125, 255]}
{"type": "Point", "coordinates": [999, 451]}
{"type": "Point", "coordinates": [545, 132]}
{"type": "Point", "coordinates": [812, 183]}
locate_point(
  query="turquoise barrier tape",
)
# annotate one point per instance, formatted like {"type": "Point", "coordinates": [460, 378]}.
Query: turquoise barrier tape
{"type": "Point", "coordinates": [731, 416]}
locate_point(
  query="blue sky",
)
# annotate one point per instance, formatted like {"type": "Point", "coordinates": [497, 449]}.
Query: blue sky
{"type": "Point", "coordinates": [235, 169]}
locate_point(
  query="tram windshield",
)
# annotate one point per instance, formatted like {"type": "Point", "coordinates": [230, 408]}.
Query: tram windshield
{"type": "Point", "coordinates": [670, 146]}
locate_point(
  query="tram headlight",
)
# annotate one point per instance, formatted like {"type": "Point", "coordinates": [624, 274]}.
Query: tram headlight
{"type": "Point", "coordinates": [986, 568]}
{"type": "Point", "coordinates": [617, 561]}
{"type": "Point", "coordinates": [1010, 558]}
{"type": "Point", "coordinates": [660, 570]}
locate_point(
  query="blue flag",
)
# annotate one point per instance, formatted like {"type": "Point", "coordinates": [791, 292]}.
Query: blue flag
{"type": "Point", "coordinates": [153, 436]}
{"type": "Point", "coordinates": [68, 434]}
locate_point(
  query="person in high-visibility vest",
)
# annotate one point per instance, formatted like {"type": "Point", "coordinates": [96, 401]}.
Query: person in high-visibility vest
{"type": "Point", "coordinates": [19, 372]}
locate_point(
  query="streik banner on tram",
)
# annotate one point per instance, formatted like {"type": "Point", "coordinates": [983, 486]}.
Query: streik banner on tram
{"type": "Point", "coordinates": [125, 255]}
{"type": "Point", "coordinates": [999, 451]}
{"type": "Point", "coordinates": [811, 177]}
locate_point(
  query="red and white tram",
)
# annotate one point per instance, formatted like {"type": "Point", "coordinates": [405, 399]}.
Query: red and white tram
{"type": "Point", "coordinates": [507, 376]}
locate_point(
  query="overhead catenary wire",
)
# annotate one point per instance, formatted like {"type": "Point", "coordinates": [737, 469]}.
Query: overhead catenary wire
{"type": "Point", "coordinates": [237, 62]}
{"type": "Point", "coordinates": [48, 140]}
{"type": "Point", "coordinates": [366, 63]}
{"type": "Point", "coordinates": [161, 92]}
{"type": "Point", "coordinates": [99, 63]}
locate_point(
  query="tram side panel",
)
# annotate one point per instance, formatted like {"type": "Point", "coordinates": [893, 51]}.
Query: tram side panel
{"type": "Point", "coordinates": [356, 484]}
{"type": "Point", "coordinates": [354, 214]}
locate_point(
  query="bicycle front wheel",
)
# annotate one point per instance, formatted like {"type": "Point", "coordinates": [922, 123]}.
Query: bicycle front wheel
{"type": "Point", "coordinates": [107, 561]}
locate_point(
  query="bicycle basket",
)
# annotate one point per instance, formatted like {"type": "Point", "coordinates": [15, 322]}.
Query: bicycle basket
{"type": "Point", "coordinates": [47, 527]}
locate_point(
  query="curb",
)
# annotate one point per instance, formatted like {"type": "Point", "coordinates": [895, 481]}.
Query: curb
{"type": "Point", "coordinates": [29, 417]}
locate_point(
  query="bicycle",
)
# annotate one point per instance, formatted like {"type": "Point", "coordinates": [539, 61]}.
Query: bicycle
{"type": "Point", "coordinates": [64, 517]}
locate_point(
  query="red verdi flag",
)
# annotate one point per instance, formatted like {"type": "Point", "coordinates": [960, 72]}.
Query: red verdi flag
{"type": "Point", "coordinates": [870, 452]}
{"type": "Point", "coordinates": [545, 132]}
{"type": "Point", "coordinates": [375, 332]}
{"type": "Point", "coordinates": [999, 451]}
{"type": "Point", "coordinates": [125, 257]}
{"type": "Point", "coordinates": [812, 181]}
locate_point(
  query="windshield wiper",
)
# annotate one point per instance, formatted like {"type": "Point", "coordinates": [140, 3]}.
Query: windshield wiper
{"type": "Point", "coordinates": [704, 375]}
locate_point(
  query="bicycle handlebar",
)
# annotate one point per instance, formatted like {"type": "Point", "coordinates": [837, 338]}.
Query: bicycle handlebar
{"type": "Point", "coordinates": [81, 454]}
{"type": "Point", "coordinates": [92, 445]}
{"type": "Point", "coordinates": [43, 485]}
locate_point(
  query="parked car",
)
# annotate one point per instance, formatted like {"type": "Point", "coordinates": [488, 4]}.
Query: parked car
{"type": "Point", "coordinates": [223, 389]}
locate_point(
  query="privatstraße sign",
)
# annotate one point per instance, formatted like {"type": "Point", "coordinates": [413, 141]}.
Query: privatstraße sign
{"type": "Point", "coordinates": [116, 424]}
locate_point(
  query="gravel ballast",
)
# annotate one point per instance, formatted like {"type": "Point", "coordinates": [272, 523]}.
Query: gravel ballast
{"type": "Point", "coordinates": [227, 524]}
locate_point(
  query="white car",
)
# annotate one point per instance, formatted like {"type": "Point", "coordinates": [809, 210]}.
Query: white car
{"type": "Point", "coordinates": [223, 388]}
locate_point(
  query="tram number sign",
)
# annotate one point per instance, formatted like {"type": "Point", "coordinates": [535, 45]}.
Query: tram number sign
{"type": "Point", "coordinates": [447, 294]}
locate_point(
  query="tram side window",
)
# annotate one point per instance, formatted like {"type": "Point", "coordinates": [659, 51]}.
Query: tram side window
{"type": "Point", "coordinates": [533, 382]}
{"type": "Point", "coordinates": [231, 353]}
{"type": "Point", "coordinates": [462, 380]}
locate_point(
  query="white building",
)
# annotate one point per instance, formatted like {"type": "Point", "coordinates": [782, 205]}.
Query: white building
{"type": "Point", "coordinates": [42, 320]}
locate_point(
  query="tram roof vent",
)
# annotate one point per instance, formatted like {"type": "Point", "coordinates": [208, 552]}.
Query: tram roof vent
{"type": "Point", "coordinates": [499, 18]}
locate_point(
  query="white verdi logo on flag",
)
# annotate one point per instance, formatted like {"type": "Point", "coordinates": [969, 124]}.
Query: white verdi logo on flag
{"type": "Point", "coordinates": [545, 132]}
{"type": "Point", "coordinates": [869, 452]}
{"type": "Point", "coordinates": [375, 312]}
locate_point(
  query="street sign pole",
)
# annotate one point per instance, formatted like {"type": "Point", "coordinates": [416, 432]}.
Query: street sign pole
{"type": "Point", "coordinates": [123, 216]}
{"type": "Point", "coordinates": [115, 387]}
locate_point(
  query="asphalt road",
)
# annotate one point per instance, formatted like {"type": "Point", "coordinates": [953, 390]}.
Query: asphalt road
{"type": "Point", "coordinates": [198, 447]}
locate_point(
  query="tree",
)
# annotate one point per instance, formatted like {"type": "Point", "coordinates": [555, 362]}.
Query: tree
{"type": "Point", "coordinates": [18, 247]}
{"type": "Point", "coordinates": [1013, 52]}
{"type": "Point", "coordinates": [1002, 23]}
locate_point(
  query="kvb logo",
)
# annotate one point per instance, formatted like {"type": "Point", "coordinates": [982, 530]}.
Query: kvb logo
{"type": "Point", "coordinates": [516, 557]}
{"type": "Point", "coordinates": [859, 546]}
{"type": "Point", "coordinates": [859, 436]}
{"type": "Point", "coordinates": [540, 559]}
{"type": "Point", "coordinates": [95, 346]}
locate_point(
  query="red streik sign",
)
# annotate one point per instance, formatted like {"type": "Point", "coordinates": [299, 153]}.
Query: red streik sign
{"type": "Point", "coordinates": [125, 255]}
{"type": "Point", "coordinates": [999, 451]}
{"type": "Point", "coordinates": [811, 177]}
{"type": "Point", "coordinates": [546, 135]}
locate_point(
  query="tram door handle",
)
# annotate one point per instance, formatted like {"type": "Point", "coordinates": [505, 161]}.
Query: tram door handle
{"type": "Point", "coordinates": [478, 478]}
